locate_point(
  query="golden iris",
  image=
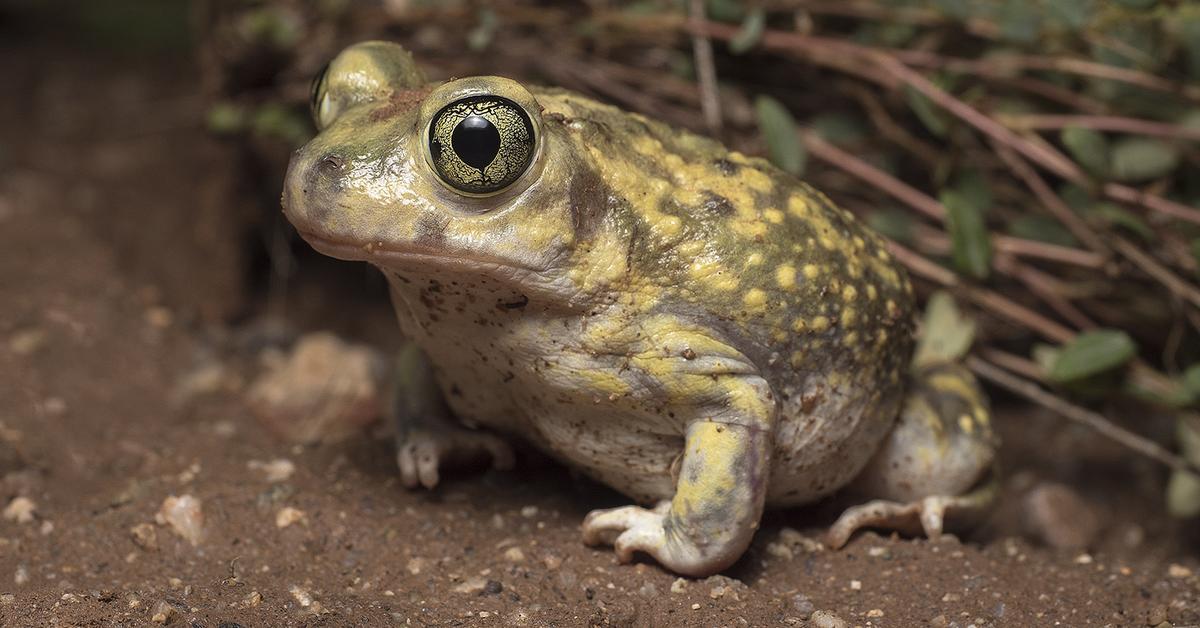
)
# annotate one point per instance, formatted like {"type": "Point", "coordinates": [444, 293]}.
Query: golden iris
{"type": "Point", "coordinates": [480, 145]}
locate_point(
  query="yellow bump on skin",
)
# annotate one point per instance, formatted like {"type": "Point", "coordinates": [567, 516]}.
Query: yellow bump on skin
{"type": "Point", "coordinates": [872, 293]}
{"type": "Point", "coordinates": [755, 299]}
{"type": "Point", "coordinates": [779, 335]}
{"type": "Point", "coordinates": [798, 206]}
{"type": "Point", "coordinates": [850, 339]}
{"type": "Point", "coordinates": [773, 215]}
{"type": "Point", "coordinates": [957, 385]}
{"type": "Point", "coordinates": [849, 293]}
{"type": "Point", "coordinates": [819, 323]}
{"type": "Point", "coordinates": [754, 260]}
{"type": "Point", "coordinates": [859, 243]}
{"type": "Point", "coordinates": [668, 225]}
{"type": "Point", "coordinates": [881, 337]}
{"type": "Point", "coordinates": [749, 228]}
{"type": "Point", "coordinates": [691, 248]}
{"type": "Point", "coordinates": [799, 325]}
{"type": "Point", "coordinates": [713, 274]}
{"type": "Point", "coordinates": [827, 243]}
{"type": "Point", "coordinates": [797, 359]}
{"type": "Point", "coordinates": [966, 423]}
{"type": "Point", "coordinates": [848, 316]}
{"type": "Point", "coordinates": [785, 276]}
{"type": "Point", "coordinates": [811, 271]}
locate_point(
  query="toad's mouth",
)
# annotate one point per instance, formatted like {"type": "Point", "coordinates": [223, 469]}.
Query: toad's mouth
{"type": "Point", "coordinates": [415, 256]}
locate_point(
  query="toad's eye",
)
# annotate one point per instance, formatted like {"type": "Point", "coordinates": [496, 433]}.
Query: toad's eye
{"type": "Point", "coordinates": [317, 97]}
{"type": "Point", "coordinates": [480, 145]}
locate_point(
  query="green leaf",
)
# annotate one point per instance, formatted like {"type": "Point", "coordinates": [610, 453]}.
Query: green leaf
{"type": "Point", "coordinates": [750, 33]}
{"type": "Point", "coordinates": [779, 131]}
{"type": "Point", "coordinates": [946, 335]}
{"type": "Point", "coordinates": [839, 127]}
{"type": "Point", "coordinates": [972, 249]}
{"type": "Point", "coordinates": [1183, 491]}
{"type": "Point", "coordinates": [225, 118]}
{"type": "Point", "coordinates": [1136, 4]}
{"type": "Point", "coordinates": [723, 10]}
{"type": "Point", "coordinates": [1042, 228]}
{"type": "Point", "coordinates": [1091, 353]}
{"type": "Point", "coordinates": [934, 119]}
{"type": "Point", "coordinates": [896, 224]}
{"type": "Point", "coordinates": [1088, 147]}
{"type": "Point", "coordinates": [281, 122]}
{"type": "Point", "coordinates": [480, 37]}
{"type": "Point", "coordinates": [1142, 159]}
{"type": "Point", "coordinates": [1075, 14]}
{"type": "Point", "coordinates": [1183, 495]}
{"type": "Point", "coordinates": [1118, 216]}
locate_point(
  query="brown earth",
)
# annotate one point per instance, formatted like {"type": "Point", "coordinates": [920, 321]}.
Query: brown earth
{"type": "Point", "coordinates": [118, 389]}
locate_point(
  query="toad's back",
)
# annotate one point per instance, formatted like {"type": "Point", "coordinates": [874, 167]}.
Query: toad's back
{"type": "Point", "coordinates": [795, 283]}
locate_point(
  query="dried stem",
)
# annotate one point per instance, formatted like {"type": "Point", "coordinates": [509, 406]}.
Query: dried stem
{"type": "Point", "coordinates": [706, 72]}
{"type": "Point", "coordinates": [1102, 123]}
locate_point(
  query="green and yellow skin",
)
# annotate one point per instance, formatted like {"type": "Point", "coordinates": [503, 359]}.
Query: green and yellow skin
{"type": "Point", "coordinates": [687, 324]}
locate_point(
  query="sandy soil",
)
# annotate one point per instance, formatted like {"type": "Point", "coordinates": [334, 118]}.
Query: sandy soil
{"type": "Point", "coordinates": [115, 393]}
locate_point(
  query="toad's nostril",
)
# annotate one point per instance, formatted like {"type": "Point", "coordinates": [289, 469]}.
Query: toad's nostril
{"type": "Point", "coordinates": [331, 164]}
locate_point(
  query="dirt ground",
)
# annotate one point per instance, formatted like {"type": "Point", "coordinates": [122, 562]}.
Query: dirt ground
{"type": "Point", "coordinates": [118, 391]}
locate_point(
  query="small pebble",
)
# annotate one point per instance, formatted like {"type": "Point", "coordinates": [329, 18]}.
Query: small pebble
{"type": "Point", "coordinates": [277, 470]}
{"type": "Point", "coordinates": [679, 586]}
{"type": "Point", "coordinates": [856, 585]}
{"type": "Point", "coordinates": [514, 555]}
{"type": "Point", "coordinates": [7, 599]}
{"type": "Point", "coordinates": [20, 509]}
{"type": "Point", "coordinates": [471, 586]}
{"type": "Point", "coordinates": [252, 599]}
{"type": "Point", "coordinates": [1057, 516]}
{"type": "Point", "coordinates": [415, 565]}
{"type": "Point", "coordinates": [1156, 616]}
{"type": "Point", "coordinates": [21, 575]}
{"type": "Point", "coordinates": [529, 512]}
{"type": "Point", "coordinates": [184, 515]}
{"type": "Point", "coordinates": [27, 341]}
{"type": "Point", "coordinates": [875, 613]}
{"type": "Point", "coordinates": [145, 536]}
{"type": "Point", "coordinates": [826, 619]}
{"type": "Point", "coordinates": [1178, 571]}
{"type": "Point", "coordinates": [287, 516]}
{"type": "Point", "coordinates": [803, 605]}
{"type": "Point", "coordinates": [163, 613]}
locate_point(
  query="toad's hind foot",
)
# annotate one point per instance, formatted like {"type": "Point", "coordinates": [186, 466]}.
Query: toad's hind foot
{"type": "Point", "coordinates": [935, 463]}
{"type": "Point", "coordinates": [423, 452]}
{"type": "Point", "coordinates": [926, 516]}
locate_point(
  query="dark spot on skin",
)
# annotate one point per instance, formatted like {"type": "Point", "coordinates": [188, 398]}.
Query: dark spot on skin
{"type": "Point", "coordinates": [688, 354]}
{"type": "Point", "coordinates": [400, 102]}
{"type": "Point", "coordinates": [431, 231]}
{"type": "Point", "coordinates": [517, 304]}
{"type": "Point", "coordinates": [588, 197]}
{"type": "Point", "coordinates": [718, 205]}
{"type": "Point", "coordinates": [727, 168]}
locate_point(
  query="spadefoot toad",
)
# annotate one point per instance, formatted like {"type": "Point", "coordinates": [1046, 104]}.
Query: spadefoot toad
{"type": "Point", "coordinates": [687, 324]}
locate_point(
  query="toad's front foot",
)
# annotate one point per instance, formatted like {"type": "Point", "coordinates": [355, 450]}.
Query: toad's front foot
{"type": "Point", "coordinates": [632, 529]}
{"type": "Point", "coordinates": [422, 451]}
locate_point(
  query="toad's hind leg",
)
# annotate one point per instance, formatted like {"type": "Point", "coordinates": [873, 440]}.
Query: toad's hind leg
{"type": "Point", "coordinates": [427, 436]}
{"type": "Point", "coordinates": [936, 464]}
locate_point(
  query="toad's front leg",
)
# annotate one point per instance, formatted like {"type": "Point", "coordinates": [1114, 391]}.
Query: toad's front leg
{"type": "Point", "coordinates": [719, 492]}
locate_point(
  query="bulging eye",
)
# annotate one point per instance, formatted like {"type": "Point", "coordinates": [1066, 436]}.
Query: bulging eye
{"type": "Point", "coordinates": [480, 145]}
{"type": "Point", "coordinates": [316, 97]}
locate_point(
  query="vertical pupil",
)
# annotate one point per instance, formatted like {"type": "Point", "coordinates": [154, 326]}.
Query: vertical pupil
{"type": "Point", "coordinates": [476, 141]}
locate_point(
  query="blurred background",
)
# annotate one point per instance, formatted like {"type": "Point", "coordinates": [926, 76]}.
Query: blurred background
{"type": "Point", "coordinates": [1037, 160]}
